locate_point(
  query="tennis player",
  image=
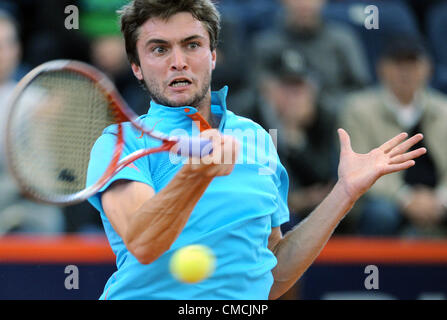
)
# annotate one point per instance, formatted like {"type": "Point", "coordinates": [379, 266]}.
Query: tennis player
{"type": "Point", "coordinates": [157, 205]}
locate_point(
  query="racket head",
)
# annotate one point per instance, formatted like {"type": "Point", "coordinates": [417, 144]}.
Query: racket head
{"type": "Point", "coordinates": [56, 114]}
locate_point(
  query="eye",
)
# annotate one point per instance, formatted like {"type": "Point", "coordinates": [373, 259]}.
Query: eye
{"type": "Point", "coordinates": [193, 45]}
{"type": "Point", "coordinates": [158, 50]}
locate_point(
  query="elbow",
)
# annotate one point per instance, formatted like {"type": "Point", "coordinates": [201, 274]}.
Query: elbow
{"type": "Point", "coordinates": [142, 253]}
{"type": "Point", "coordinates": [274, 292]}
{"type": "Point", "coordinates": [273, 297]}
{"type": "Point", "coordinates": [144, 258]}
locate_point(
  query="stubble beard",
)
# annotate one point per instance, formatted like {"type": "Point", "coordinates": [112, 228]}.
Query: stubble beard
{"type": "Point", "coordinates": [197, 100]}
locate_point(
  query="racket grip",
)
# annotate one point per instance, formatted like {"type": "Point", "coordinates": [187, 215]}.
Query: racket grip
{"type": "Point", "coordinates": [194, 147]}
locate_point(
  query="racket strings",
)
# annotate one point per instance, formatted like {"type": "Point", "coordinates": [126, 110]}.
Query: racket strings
{"type": "Point", "coordinates": [56, 121]}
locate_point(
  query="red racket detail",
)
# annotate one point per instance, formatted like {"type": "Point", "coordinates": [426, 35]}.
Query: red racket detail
{"type": "Point", "coordinates": [56, 114]}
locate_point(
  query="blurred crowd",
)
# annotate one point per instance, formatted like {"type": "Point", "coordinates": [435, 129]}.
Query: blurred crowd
{"type": "Point", "coordinates": [303, 67]}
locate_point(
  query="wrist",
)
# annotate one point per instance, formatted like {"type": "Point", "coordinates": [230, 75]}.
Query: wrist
{"type": "Point", "coordinates": [196, 172]}
{"type": "Point", "coordinates": [345, 193]}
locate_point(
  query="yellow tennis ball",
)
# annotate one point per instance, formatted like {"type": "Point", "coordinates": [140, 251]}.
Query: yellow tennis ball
{"type": "Point", "coordinates": [193, 263]}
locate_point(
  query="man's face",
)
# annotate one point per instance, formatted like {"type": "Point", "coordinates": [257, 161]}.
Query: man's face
{"type": "Point", "coordinates": [109, 54]}
{"type": "Point", "coordinates": [294, 101]}
{"type": "Point", "coordinates": [175, 60]}
{"type": "Point", "coordinates": [9, 50]}
{"type": "Point", "coordinates": [404, 77]}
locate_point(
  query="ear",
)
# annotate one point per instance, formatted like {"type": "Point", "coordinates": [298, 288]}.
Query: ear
{"type": "Point", "coordinates": [136, 69]}
{"type": "Point", "coordinates": [213, 59]}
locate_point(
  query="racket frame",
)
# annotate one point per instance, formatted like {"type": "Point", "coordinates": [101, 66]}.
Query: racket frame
{"type": "Point", "coordinates": [122, 113]}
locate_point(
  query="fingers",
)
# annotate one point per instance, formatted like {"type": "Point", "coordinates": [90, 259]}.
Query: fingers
{"type": "Point", "coordinates": [225, 151]}
{"type": "Point", "coordinates": [400, 166]}
{"type": "Point", "coordinates": [230, 150]}
{"type": "Point", "coordinates": [217, 142]}
{"type": "Point", "coordinates": [225, 148]}
{"type": "Point", "coordinates": [404, 146]}
{"type": "Point", "coordinates": [211, 134]}
{"type": "Point", "coordinates": [408, 156]}
{"type": "Point", "coordinates": [393, 142]}
{"type": "Point", "coordinates": [345, 141]}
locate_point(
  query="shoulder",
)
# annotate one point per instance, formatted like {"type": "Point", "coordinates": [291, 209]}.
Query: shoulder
{"type": "Point", "coordinates": [342, 34]}
{"type": "Point", "coordinates": [437, 101]}
{"type": "Point", "coordinates": [268, 39]}
{"type": "Point", "coordinates": [271, 33]}
{"type": "Point", "coordinates": [102, 149]}
{"type": "Point", "coordinates": [244, 123]}
{"type": "Point", "coordinates": [339, 29]}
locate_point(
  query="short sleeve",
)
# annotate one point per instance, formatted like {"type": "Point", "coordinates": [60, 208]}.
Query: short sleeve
{"type": "Point", "coordinates": [101, 156]}
{"type": "Point", "coordinates": [281, 180]}
{"type": "Point", "coordinates": [282, 214]}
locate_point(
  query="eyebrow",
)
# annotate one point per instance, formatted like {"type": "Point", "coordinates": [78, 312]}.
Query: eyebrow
{"type": "Point", "coordinates": [161, 41]}
{"type": "Point", "coordinates": [194, 37]}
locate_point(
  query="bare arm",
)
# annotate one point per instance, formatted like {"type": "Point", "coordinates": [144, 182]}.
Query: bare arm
{"type": "Point", "coordinates": [149, 223]}
{"type": "Point", "coordinates": [357, 173]}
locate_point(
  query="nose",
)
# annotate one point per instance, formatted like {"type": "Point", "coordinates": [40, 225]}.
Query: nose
{"type": "Point", "coordinates": [178, 62]}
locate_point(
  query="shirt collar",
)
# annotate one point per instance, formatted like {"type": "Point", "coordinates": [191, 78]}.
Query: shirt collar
{"type": "Point", "coordinates": [218, 108]}
{"type": "Point", "coordinates": [406, 116]}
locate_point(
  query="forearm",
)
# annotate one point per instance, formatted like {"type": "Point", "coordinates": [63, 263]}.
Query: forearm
{"type": "Point", "coordinates": [301, 246]}
{"type": "Point", "coordinates": [356, 173]}
{"type": "Point", "coordinates": [160, 220]}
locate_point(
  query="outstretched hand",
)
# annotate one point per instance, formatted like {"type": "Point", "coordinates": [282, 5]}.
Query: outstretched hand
{"type": "Point", "coordinates": [358, 172]}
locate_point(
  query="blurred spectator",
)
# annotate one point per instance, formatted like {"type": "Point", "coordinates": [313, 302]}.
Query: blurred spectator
{"type": "Point", "coordinates": [9, 59]}
{"type": "Point", "coordinates": [17, 213]}
{"type": "Point", "coordinates": [393, 16]}
{"type": "Point", "coordinates": [108, 54]}
{"type": "Point", "coordinates": [289, 102]}
{"type": "Point", "coordinates": [253, 15]}
{"type": "Point", "coordinates": [99, 23]}
{"type": "Point", "coordinates": [411, 202]}
{"type": "Point", "coordinates": [231, 61]}
{"type": "Point", "coordinates": [106, 51]}
{"type": "Point", "coordinates": [331, 49]}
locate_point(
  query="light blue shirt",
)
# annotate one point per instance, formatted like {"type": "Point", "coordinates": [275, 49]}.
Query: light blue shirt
{"type": "Point", "coordinates": [234, 217]}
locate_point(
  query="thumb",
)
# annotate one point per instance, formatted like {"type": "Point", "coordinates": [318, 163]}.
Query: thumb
{"type": "Point", "coordinates": [345, 141]}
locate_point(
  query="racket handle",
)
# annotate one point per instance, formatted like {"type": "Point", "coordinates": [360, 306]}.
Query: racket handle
{"type": "Point", "coordinates": [194, 147]}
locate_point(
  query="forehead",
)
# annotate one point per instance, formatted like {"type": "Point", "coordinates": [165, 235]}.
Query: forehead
{"type": "Point", "coordinates": [405, 62]}
{"type": "Point", "coordinates": [179, 26]}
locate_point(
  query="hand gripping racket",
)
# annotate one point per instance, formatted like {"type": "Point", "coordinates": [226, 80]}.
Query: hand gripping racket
{"type": "Point", "coordinates": [56, 114]}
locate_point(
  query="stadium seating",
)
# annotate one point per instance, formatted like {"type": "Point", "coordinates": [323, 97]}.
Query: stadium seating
{"type": "Point", "coordinates": [253, 15]}
{"type": "Point", "coordinates": [394, 17]}
{"type": "Point", "coordinates": [436, 33]}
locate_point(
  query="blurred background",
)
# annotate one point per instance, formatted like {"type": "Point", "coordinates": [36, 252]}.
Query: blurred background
{"type": "Point", "coordinates": [303, 67]}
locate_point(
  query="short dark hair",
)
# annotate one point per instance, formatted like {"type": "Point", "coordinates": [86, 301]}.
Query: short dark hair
{"type": "Point", "coordinates": [137, 12]}
{"type": "Point", "coordinates": [404, 47]}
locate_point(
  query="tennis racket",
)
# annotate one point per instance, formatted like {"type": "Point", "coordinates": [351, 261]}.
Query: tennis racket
{"type": "Point", "coordinates": [56, 114]}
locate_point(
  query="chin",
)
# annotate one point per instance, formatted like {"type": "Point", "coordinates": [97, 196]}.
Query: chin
{"type": "Point", "coordinates": [180, 102]}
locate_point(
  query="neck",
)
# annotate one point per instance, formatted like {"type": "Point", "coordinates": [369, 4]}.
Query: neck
{"type": "Point", "coordinates": [405, 98]}
{"type": "Point", "coordinates": [301, 25]}
{"type": "Point", "coordinates": [204, 107]}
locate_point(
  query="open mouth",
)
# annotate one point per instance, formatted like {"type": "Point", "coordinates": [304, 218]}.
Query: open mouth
{"type": "Point", "coordinates": [180, 82]}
